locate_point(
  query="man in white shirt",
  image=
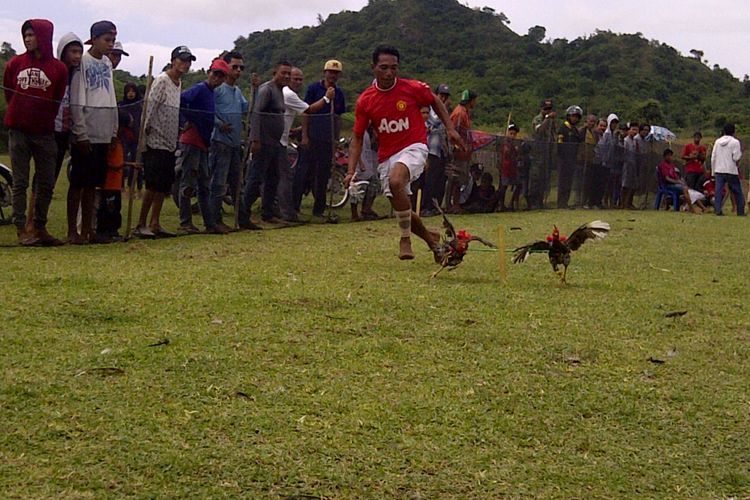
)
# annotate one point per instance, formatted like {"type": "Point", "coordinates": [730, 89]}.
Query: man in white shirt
{"type": "Point", "coordinates": [725, 159]}
{"type": "Point", "coordinates": [294, 106]}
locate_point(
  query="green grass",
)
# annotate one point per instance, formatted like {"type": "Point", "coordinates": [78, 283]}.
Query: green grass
{"type": "Point", "coordinates": [310, 361]}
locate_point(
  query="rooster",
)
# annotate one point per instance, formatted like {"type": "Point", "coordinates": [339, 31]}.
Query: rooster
{"type": "Point", "coordinates": [453, 245]}
{"type": "Point", "coordinates": [559, 247]}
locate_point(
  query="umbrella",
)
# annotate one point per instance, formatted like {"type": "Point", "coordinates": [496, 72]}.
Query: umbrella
{"type": "Point", "coordinates": [660, 134]}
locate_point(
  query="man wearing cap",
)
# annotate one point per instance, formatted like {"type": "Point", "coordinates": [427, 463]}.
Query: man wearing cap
{"type": "Point", "coordinates": [115, 55]}
{"type": "Point", "coordinates": [197, 106]}
{"type": "Point", "coordinates": [544, 130]}
{"type": "Point", "coordinates": [294, 106]}
{"type": "Point", "coordinates": [458, 174]}
{"type": "Point", "coordinates": [225, 157]}
{"type": "Point", "coordinates": [34, 84]}
{"type": "Point", "coordinates": [162, 126]}
{"type": "Point", "coordinates": [93, 109]}
{"type": "Point", "coordinates": [320, 133]}
{"type": "Point", "coordinates": [439, 153]}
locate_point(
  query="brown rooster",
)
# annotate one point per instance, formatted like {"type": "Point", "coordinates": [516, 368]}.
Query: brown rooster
{"type": "Point", "coordinates": [558, 248]}
{"type": "Point", "coordinates": [453, 245]}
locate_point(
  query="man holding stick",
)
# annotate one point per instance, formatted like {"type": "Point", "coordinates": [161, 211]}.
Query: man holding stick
{"type": "Point", "coordinates": [392, 106]}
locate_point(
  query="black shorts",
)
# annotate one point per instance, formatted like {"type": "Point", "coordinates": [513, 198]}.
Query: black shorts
{"type": "Point", "coordinates": [158, 170]}
{"type": "Point", "coordinates": [89, 170]}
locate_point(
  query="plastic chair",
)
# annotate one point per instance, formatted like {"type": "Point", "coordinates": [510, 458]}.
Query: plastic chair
{"type": "Point", "coordinates": [662, 190]}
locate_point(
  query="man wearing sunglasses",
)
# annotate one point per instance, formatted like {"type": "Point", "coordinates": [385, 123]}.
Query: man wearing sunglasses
{"type": "Point", "coordinates": [225, 155]}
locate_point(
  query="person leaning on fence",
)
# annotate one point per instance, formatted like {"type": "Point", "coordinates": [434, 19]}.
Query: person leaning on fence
{"type": "Point", "coordinates": [294, 106]}
{"type": "Point", "coordinates": [544, 131]}
{"type": "Point", "coordinates": [197, 107]}
{"type": "Point", "coordinates": [266, 130]}
{"type": "Point", "coordinates": [608, 150]}
{"type": "Point", "coordinates": [458, 170]}
{"type": "Point", "coordinates": [319, 139]}
{"type": "Point", "coordinates": [34, 85]}
{"type": "Point", "coordinates": [439, 154]}
{"type": "Point", "coordinates": [93, 106]}
{"type": "Point", "coordinates": [569, 139]}
{"type": "Point", "coordinates": [162, 127]}
{"type": "Point", "coordinates": [725, 161]}
{"type": "Point", "coordinates": [225, 155]}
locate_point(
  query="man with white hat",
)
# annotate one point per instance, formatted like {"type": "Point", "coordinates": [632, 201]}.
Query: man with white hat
{"type": "Point", "coordinates": [320, 132]}
{"type": "Point", "coordinates": [115, 55]}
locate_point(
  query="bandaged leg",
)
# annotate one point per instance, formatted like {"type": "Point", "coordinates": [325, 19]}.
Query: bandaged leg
{"type": "Point", "coordinates": [403, 218]}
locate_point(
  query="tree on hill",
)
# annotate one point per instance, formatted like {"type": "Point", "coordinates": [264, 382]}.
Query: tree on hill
{"type": "Point", "coordinates": [445, 41]}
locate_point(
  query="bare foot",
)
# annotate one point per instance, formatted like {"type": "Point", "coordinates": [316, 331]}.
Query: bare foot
{"type": "Point", "coordinates": [404, 249]}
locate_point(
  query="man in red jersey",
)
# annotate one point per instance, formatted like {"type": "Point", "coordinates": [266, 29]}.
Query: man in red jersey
{"type": "Point", "coordinates": [392, 106]}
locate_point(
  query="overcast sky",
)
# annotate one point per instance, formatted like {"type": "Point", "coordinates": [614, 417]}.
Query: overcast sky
{"type": "Point", "coordinates": [153, 27]}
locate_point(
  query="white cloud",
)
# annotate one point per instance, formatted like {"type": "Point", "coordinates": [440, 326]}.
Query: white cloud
{"type": "Point", "coordinates": [137, 62]}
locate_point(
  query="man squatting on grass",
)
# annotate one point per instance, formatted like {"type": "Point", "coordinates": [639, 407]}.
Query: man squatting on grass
{"type": "Point", "coordinates": [34, 84]}
{"type": "Point", "coordinates": [393, 105]}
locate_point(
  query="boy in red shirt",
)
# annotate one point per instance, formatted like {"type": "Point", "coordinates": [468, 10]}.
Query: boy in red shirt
{"type": "Point", "coordinates": [695, 154]}
{"type": "Point", "coordinates": [392, 106]}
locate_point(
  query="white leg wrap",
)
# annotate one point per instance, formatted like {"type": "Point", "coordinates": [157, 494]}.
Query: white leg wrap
{"type": "Point", "coordinates": [403, 217]}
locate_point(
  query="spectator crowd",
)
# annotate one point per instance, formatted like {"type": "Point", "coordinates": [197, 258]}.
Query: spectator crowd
{"type": "Point", "coordinates": [211, 143]}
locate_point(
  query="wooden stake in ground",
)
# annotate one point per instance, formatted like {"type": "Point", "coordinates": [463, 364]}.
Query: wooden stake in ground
{"type": "Point", "coordinates": [419, 202]}
{"type": "Point", "coordinates": [138, 164]}
{"type": "Point", "coordinates": [331, 217]}
{"type": "Point", "coordinates": [501, 254]}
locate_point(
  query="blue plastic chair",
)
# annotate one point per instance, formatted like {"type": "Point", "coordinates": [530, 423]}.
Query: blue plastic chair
{"type": "Point", "coordinates": [662, 190]}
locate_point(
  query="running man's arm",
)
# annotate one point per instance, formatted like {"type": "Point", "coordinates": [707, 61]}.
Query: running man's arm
{"type": "Point", "coordinates": [445, 117]}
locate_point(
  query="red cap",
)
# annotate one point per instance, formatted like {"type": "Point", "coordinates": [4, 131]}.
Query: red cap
{"type": "Point", "coordinates": [219, 65]}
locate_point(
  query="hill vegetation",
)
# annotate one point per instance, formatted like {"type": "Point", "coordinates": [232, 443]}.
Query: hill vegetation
{"type": "Point", "coordinates": [445, 41]}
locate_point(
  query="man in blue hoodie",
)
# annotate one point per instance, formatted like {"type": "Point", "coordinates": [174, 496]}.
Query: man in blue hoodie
{"type": "Point", "coordinates": [198, 106]}
{"type": "Point", "coordinates": [34, 84]}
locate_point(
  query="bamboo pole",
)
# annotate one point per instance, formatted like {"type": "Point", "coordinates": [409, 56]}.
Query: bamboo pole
{"type": "Point", "coordinates": [138, 164]}
{"type": "Point", "coordinates": [501, 254]}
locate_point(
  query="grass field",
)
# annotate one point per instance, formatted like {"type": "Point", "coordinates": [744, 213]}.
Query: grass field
{"type": "Point", "coordinates": [310, 363]}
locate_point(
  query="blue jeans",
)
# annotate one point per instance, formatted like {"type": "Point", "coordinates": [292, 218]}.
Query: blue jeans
{"type": "Point", "coordinates": [733, 181]}
{"type": "Point", "coordinates": [194, 180]}
{"type": "Point", "coordinates": [263, 171]}
{"type": "Point", "coordinates": [223, 160]}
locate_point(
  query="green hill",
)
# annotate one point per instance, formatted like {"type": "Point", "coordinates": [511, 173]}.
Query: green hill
{"type": "Point", "coordinates": [444, 41]}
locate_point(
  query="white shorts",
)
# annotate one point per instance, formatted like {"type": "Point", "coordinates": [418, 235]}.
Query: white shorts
{"type": "Point", "coordinates": [414, 157]}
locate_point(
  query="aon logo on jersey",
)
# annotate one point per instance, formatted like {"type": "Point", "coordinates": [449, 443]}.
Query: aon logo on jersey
{"type": "Point", "coordinates": [393, 126]}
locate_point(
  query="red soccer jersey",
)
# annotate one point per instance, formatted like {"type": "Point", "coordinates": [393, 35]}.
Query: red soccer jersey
{"type": "Point", "coordinates": [395, 115]}
{"type": "Point", "coordinates": [694, 166]}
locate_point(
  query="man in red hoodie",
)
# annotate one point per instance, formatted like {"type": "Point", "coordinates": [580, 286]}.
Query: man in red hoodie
{"type": "Point", "coordinates": [34, 85]}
